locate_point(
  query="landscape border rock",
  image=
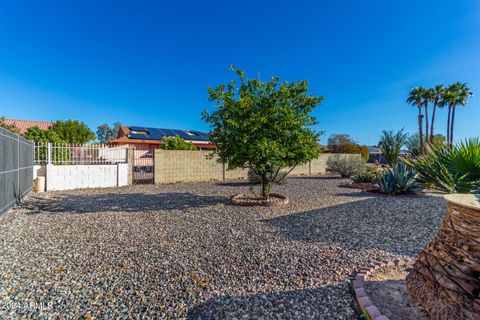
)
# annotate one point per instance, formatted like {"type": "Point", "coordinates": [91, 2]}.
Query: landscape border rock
{"type": "Point", "coordinates": [276, 200]}
{"type": "Point", "coordinates": [358, 285]}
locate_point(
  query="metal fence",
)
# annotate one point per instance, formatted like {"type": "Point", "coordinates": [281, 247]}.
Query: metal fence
{"type": "Point", "coordinates": [68, 153]}
{"type": "Point", "coordinates": [16, 168]}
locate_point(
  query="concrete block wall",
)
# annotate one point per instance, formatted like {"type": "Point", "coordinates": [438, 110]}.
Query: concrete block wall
{"type": "Point", "coordinates": [236, 174]}
{"type": "Point", "coordinates": [189, 166]}
{"type": "Point", "coordinates": [68, 177]}
{"type": "Point", "coordinates": [301, 170]}
{"type": "Point", "coordinates": [178, 165]}
{"type": "Point", "coordinates": [319, 165]}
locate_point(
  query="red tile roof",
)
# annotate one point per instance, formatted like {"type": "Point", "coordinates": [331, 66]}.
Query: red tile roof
{"type": "Point", "coordinates": [23, 125]}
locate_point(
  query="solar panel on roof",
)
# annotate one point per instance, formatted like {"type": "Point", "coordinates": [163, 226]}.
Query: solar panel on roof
{"type": "Point", "coordinates": [151, 129]}
{"type": "Point", "coordinates": [202, 135]}
{"type": "Point", "coordinates": [160, 133]}
{"type": "Point", "coordinates": [169, 132]}
{"type": "Point", "coordinates": [155, 136]}
{"type": "Point", "coordinates": [183, 134]}
{"type": "Point", "coordinates": [138, 136]}
{"type": "Point", "coordinates": [137, 128]}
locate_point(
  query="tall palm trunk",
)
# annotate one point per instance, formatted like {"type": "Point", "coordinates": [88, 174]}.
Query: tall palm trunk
{"type": "Point", "coordinates": [433, 120]}
{"type": "Point", "coordinates": [448, 123]}
{"type": "Point", "coordinates": [451, 125]}
{"type": "Point", "coordinates": [426, 123]}
{"type": "Point", "coordinates": [420, 126]}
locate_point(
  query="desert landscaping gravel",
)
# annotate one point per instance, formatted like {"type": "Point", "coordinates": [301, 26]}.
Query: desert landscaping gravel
{"type": "Point", "coordinates": [183, 251]}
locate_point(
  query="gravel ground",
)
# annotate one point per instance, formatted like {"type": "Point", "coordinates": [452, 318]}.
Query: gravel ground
{"type": "Point", "coordinates": [182, 251]}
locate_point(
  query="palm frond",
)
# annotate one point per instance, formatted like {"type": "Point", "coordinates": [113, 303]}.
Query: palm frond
{"type": "Point", "coordinates": [449, 168]}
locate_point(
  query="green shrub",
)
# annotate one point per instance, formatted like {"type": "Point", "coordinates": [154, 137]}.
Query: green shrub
{"type": "Point", "coordinates": [391, 143]}
{"type": "Point", "coordinates": [371, 175]}
{"type": "Point", "coordinates": [398, 180]}
{"type": "Point", "coordinates": [449, 168]}
{"type": "Point", "coordinates": [351, 148]}
{"type": "Point", "coordinates": [346, 165]}
{"type": "Point", "coordinates": [177, 143]}
{"type": "Point", "coordinates": [278, 176]}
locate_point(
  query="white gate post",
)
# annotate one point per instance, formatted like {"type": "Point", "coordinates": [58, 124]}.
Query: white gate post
{"type": "Point", "coordinates": [49, 153]}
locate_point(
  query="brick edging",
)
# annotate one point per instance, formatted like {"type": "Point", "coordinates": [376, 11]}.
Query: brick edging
{"type": "Point", "coordinates": [358, 284]}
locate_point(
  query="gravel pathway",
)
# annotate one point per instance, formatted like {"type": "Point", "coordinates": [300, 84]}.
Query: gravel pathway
{"type": "Point", "coordinates": [182, 251]}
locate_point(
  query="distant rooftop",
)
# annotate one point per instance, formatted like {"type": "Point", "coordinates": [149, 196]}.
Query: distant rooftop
{"type": "Point", "coordinates": [23, 125]}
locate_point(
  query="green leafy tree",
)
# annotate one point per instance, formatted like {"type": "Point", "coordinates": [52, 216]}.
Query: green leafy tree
{"type": "Point", "coordinates": [263, 126]}
{"type": "Point", "coordinates": [337, 139]}
{"type": "Point", "coordinates": [177, 143]}
{"type": "Point", "coordinates": [350, 148]}
{"type": "Point", "coordinates": [391, 143]}
{"type": "Point", "coordinates": [416, 98]}
{"type": "Point", "coordinates": [38, 135]}
{"type": "Point", "coordinates": [73, 131]}
{"type": "Point", "coordinates": [106, 133]}
{"type": "Point", "coordinates": [9, 127]}
{"type": "Point", "coordinates": [344, 143]}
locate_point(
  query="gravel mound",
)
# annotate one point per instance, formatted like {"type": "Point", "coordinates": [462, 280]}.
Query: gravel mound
{"type": "Point", "coordinates": [183, 251]}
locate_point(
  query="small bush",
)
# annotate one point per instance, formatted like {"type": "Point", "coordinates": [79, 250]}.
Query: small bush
{"type": "Point", "coordinates": [278, 178]}
{"type": "Point", "coordinates": [177, 143]}
{"type": "Point", "coordinates": [346, 166]}
{"type": "Point", "coordinates": [371, 175]}
{"type": "Point", "coordinates": [399, 180]}
{"type": "Point", "coordinates": [350, 148]}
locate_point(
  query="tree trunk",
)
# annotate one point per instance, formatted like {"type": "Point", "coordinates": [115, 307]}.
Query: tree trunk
{"type": "Point", "coordinates": [448, 124]}
{"type": "Point", "coordinates": [420, 127]}
{"type": "Point", "coordinates": [451, 125]}
{"type": "Point", "coordinates": [445, 280]}
{"type": "Point", "coordinates": [433, 121]}
{"type": "Point", "coordinates": [265, 187]}
{"type": "Point", "coordinates": [427, 140]}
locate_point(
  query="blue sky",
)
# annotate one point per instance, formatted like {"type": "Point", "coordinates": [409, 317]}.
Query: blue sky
{"type": "Point", "coordinates": [150, 62]}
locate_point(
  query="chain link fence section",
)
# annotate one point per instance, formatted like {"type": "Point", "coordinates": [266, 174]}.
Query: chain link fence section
{"type": "Point", "coordinates": [16, 168]}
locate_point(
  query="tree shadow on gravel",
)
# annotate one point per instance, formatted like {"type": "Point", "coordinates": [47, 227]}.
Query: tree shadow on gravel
{"type": "Point", "coordinates": [400, 225]}
{"type": "Point", "coordinates": [320, 303]}
{"type": "Point", "coordinates": [111, 202]}
{"type": "Point", "coordinates": [242, 183]}
{"type": "Point", "coordinates": [319, 177]}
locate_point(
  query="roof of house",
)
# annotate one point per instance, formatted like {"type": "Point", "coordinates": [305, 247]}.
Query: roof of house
{"type": "Point", "coordinates": [157, 134]}
{"type": "Point", "coordinates": [23, 125]}
{"type": "Point", "coordinates": [378, 150]}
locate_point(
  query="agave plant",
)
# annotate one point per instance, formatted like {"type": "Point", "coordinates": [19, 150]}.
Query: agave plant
{"type": "Point", "coordinates": [399, 179]}
{"type": "Point", "coordinates": [450, 168]}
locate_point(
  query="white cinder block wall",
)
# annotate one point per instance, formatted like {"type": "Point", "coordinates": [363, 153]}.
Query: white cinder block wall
{"type": "Point", "coordinates": [68, 177]}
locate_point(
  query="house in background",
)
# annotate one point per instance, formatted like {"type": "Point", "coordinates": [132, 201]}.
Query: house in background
{"type": "Point", "coordinates": [23, 125]}
{"type": "Point", "coordinates": [376, 155]}
{"type": "Point", "coordinates": [144, 138]}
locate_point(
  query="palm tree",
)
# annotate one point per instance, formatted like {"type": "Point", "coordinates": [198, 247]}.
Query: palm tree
{"type": "Point", "coordinates": [455, 95]}
{"type": "Point", "coordinates": [436, 97]}
{"type": "Point", "coordinates": [448, 99]}
{"type": "Point", "coordinates": [428, 96]}
{"type": "Point", "coordinates": [415, 98]}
